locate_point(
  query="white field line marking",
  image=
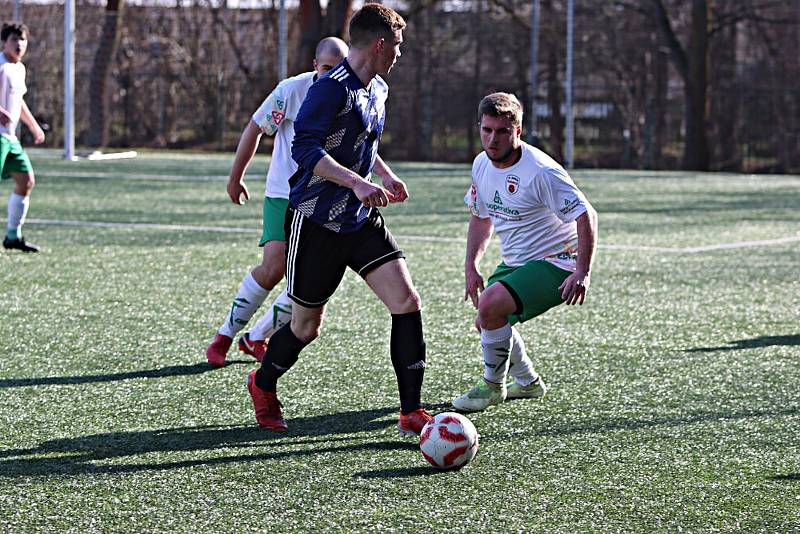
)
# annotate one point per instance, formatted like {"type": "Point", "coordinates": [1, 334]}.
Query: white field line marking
{"type": "Point", "coordinates": [436, 239]}
{"type": "Point", "coordinates": [148, 177]}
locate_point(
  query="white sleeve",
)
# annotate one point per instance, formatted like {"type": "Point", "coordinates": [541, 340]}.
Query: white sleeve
{"type": "Point", "coordinates": [272, 111]}
{"type": "Point", "coordinates": [473, 201]}
{"type": "Point", "coordinates": [558, 192]}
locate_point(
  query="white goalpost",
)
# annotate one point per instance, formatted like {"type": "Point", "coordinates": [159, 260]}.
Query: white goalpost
{"type": "Point", "coordinates": [69, 80]}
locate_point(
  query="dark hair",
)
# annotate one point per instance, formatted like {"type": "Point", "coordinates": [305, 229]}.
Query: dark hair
{"type": "Point", "coordinates": [371, 21]}
{"type": "Point", "coordinates": [17, 28]}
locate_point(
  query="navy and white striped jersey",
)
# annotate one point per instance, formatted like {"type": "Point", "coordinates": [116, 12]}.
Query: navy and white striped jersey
{"type": "Point", "coordinates": [342, 118]}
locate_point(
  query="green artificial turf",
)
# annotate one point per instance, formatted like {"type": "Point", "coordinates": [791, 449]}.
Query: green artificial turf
{"type": "Point", "coordinates": [673, 401]}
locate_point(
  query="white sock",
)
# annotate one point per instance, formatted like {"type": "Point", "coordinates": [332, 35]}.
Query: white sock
{"type": "Point", "coordinates": [247, 300]}
{"type": "Point", "coordinates": [278, 314]}
{"type": "Point", "coordinates": [521, 366]}
{"type": "Point", "coordinates": [496, 345]}
{"type": "Point", "coordinates": [17, 210]}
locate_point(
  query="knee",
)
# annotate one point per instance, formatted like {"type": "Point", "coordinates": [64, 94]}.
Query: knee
{"type": "Point", "coordinates": [25, 185]}
{"type": "Point", "coordinates": [306, 331]}
{"type": "Point", "coordinates": [411, 303]}
{"type": "Point", "coordinates": [268, 275]}
{"type": "Point", "coordinates": [490, 310]}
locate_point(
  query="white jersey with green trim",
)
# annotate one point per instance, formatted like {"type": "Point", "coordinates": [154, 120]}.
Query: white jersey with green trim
{"type": "Point", "coordinates": [12, 90]}
{"type": "Point", "coordinates": [533, 206]}
{"type": "Point", "coordinates": [276, 116]}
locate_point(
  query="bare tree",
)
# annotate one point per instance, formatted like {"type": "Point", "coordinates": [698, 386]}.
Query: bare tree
{"type": "Point", "coordinates": [98, 83]}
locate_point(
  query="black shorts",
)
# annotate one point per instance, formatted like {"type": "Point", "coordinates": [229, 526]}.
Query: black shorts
{"type": "Point", "coordinates": [316, 258]}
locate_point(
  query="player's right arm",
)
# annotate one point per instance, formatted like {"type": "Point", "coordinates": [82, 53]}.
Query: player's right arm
{"type": "Point", "coordinates": [5, 116]}
{"type": "Point", "coordinates": [478, 234]}
{"type": "Point", "coordinates": [325, 99]}
{"type": "Point", "coordinates": [266, 120]}
{"type": "Point", "coordinates": [248, 143]}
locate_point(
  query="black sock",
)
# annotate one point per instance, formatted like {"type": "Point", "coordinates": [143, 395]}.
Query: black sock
{"type": "Point", "coordinates": [281, 355]}
{"type": "Point", "coordinates": [407, 348]}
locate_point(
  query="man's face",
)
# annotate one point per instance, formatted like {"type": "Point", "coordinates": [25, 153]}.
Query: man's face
{"type": "Point", "coordinates": [326, 62]}
{"type": "Point", "coordinates": [499, 137]}
{"type": "Point", "coordinates": [388, 52]}
{"type": "Point", "coordinates": [14, 47]}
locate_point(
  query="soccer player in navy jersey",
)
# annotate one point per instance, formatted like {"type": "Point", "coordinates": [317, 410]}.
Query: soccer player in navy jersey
{"type": "Point", "coordinates": [333, 222]}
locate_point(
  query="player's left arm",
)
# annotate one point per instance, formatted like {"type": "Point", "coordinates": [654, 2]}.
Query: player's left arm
{"type": "Point", "coordinates": [573, 289]}
{"type": "Point", "coordinates": [30, 121]}
{"type": "Point", "coordinates": [390, 180]}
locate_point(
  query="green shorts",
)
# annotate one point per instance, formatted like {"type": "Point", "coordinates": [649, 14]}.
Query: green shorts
{"type": "Point", "coordinates": [534, 287]}
{"type": "Point", "coordinates": [12, 158]}
{"type": "Point", "coordinates": [274, 217]}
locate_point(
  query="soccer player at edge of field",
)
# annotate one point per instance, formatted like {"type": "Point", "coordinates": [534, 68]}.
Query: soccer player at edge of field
{"type": "Point", "coordinates": [275, 116]}
{"type": "Point", "coordinates": [548, 236]}
{"type": "Point", "coordinates": [333, 222]}
{"type": "Point", "coordinates": [14, 162]}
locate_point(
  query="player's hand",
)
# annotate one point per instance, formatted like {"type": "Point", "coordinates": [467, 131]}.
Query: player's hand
{"type": "Point", "coordinates": [372, 195]}
{"type": "Point", "coordinates": [5, 118]}
{"type": "Point", "coordinates": [238, 192]}
{"type": "Point", "coordinates": [397, 187]}
{"type": "Point", "coordinates": [573, 289]}
{"type": "Point", "coordinates": [473, 285]}
{"type": "Point", "coordinates": [38, 135]}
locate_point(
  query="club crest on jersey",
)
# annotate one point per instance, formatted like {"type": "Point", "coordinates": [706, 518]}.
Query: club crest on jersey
{"type": "Point", "coordinates": [277, 117]}
{"type": "Point", "coordinates": [512, 183]}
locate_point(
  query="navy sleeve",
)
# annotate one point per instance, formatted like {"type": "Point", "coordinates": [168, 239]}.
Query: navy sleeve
{"type": "Point", "coordinates": [325, 99]}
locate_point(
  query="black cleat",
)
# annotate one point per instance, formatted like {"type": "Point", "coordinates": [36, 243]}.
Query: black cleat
{"type": "Point", "coordinates": [19, 244]}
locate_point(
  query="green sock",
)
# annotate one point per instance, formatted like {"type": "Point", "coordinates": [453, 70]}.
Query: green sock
{"type": "Point", "coordinates": [12, 233]}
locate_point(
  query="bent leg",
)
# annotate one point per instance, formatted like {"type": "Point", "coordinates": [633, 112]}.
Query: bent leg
{"type": "Point", "coordinates": [285, 346]}
{"type": "Point", "coordinates": [273, 265]}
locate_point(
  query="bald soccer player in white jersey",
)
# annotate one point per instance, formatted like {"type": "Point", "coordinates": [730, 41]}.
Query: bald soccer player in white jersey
{"type": "Point", "coordinates": [276, 117]}
{"type": "Point", "coordinates": [548, 236]}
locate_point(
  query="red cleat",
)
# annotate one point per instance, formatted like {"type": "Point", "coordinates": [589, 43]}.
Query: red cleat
{"type": "Point", "coordinates": [218, 349]}
{"type": "Point", "coordinates": [267, 406]}
{"type": "Point", "coordinates": [411, 424]}
{"type": "Point", "coordinates": [253, 347]}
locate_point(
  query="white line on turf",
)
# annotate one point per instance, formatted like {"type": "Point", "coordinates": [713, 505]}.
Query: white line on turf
{"type": "Point", "coordinates": [436, 239]}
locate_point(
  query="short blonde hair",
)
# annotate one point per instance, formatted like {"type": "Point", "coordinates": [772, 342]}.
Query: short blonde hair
{"type": "Point", "coordinates": [501, 105]}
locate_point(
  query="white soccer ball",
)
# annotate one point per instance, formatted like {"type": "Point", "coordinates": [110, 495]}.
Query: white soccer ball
{"type": "Point", "coordinates": [449, 441]}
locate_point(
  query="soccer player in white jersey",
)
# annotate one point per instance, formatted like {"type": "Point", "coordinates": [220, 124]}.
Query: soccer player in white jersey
{"type": "Point", "coordinates": [548, 236]}
{"type": "Point", "coordinates": [14, 162]}
{"type": "Point", "coordinates": [276, 117]}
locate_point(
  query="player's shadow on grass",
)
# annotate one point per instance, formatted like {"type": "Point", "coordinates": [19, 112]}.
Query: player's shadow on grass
{"type": "Point", "coordinates": [172, 370]}
{"type": "Point", "coordinates": [423, 471]}
{"type": "Point", "coordinates": [791, 477]}
{"type": "Point", "coordinates": [116, 452]}
{"type": "Point", "coordinates": [753, 343]}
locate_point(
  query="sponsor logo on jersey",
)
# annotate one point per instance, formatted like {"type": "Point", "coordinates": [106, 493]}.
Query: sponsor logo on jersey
{"type": "Point", "coordinates": [502, 211]}
{"type": "Point", "coordinates": [569, 205]}
{"type": "Point", "coordinates": [512, 183]}
{"type": "Point", "coordinates": [280, 104]}
{"type": "Point", "coordinates": [497, 199]}
{"type": "Point", "coordinates": [277, 117]}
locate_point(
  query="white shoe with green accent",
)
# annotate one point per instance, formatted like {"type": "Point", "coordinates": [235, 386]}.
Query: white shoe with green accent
{"type": "Point", "coordinates": [480, 397]}
{"type": "Point", "coordinates": [534, 390]}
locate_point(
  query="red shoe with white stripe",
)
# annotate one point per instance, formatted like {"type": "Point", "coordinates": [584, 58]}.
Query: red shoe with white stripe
{"type": "Point", "coordinates": [253, 347]}
{"type": "Point", "coordinates": [411, 423]}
